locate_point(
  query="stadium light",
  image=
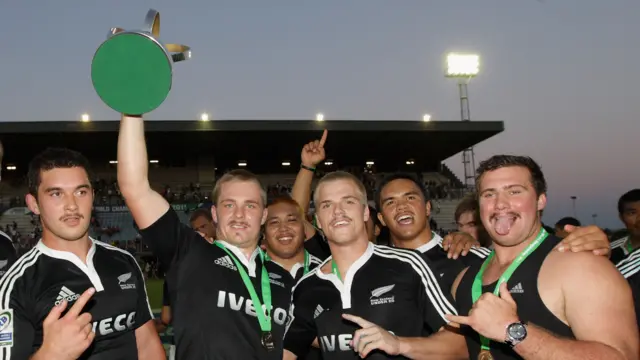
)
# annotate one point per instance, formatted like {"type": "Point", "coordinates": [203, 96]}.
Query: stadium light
{"type": "Point", "coordinates": [426, 118]}
{"type": "Point", "coordinates": [204, 117]}
{"type": "Point", "coordinates": [85, 117]}
{"type": "Point", "coordinates": [369, 163]}
{"type": "Point", "coordinates": [242, 164]}
{"type": "Point", "coordinates": [11, 167]}
{"type": "Point", "coordinates": [410, 162]}
{"type": "Point", "coordinates": [153, 161]}
{"type": "Point", "coordinates": [286, 163]}
{"type": "Point", "coordinates": [319, 117]}
{"type": "Point", "coordinates": [113, 161]}
{"type": "Point", "coordinates": [462, 65]}
{"type": "Point", "coordinates": [328, 163]}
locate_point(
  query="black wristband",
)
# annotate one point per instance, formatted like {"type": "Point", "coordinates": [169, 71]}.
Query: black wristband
{"type": "Point", "coordinates": [303, 166]}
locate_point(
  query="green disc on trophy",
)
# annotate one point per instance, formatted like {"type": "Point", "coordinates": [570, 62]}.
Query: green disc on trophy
{"type": "Point", "coordinates": [132, 70]}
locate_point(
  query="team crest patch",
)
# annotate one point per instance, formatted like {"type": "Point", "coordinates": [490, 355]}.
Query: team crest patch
{"type": "Point", "coordinates": [6, 328]}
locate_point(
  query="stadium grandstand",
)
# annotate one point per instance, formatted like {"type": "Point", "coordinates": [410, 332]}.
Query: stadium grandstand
{"type": "Point", "coordinates": [187, 156]}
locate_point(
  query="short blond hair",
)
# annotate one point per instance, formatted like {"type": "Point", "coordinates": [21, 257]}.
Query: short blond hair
{"type": "Point", "coordinates": [341, 175]}
{"type": "Point", "coordinates": [237, 175]}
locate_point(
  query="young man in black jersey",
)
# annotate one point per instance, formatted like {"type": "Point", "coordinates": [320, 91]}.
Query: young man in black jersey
{"type": "Point", "coordinates": [116, 322]}
{"type": "Point", "coordinates": [225, 301]}
{"type": "Point", "coordinates": [7, 251]}
{"type": "Point", "coordinates": [284, 238]}
{"type": "Point", "coordinates": [285, 245]}
{"type": "Point", "coordinates": [629, 213]}
{"type": "Point", "coordinates": [528, 301]}
{"type": "Point", "coordinates": [630, 269]}
{"type": "Point", "coordinates": [405, 210]}
{"type": "Point", "coordinates": [396, 287]}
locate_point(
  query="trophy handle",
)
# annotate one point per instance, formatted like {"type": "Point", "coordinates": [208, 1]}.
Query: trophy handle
{"type": "Point", "coordinates": [152, 23]}
{"type": "Point", "coordinates": [179, 52]}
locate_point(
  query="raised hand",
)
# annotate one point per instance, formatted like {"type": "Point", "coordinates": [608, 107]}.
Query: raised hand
{"type": "Point", "coordinates": [313, 152]}
{"type": "Point", "coordinates": [67, 337]}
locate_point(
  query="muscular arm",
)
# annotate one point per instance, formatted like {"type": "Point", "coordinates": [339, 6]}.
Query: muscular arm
{"type": "Point", "coordinates": [599, 309]}
{"type": "Point", "coordinates": [445, 344]}
{"type": "Point", "coordinates": [301, 191]}
{"type": "Point", "coordinates": [148, 342]}
{"type": "Point", "coordinates": [146, 205]}
{"type": "Point", "coordinates": [288, 355]}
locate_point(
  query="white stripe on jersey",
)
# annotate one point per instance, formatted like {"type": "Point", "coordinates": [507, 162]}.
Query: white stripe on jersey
{"type": "Point", "coordinates": [314, 260]}
{"type": "Point", "coordinates": [6, 285]}
{"type": "Point", "coordinates": [481, 252]}
{"type": "Point", "coordinates": [109, 247]}
{"type": "Point", "coordinates": [432, 287]}
{"type": "Point", "coordinates": [630, 266]}
{"type": "Point", "coordinates": [619, 243]}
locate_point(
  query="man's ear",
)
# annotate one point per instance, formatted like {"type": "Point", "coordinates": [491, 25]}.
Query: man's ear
{"type": "Point", "coordinates": [32, 204]}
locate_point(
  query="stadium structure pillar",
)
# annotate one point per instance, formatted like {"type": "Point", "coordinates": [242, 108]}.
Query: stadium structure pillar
{"type": "Point", "coordinates": [206, 171]}
{"type": "Point", "coordinates": [468, 157]}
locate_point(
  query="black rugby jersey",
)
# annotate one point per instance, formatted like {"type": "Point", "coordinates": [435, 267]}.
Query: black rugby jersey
{"type": "Point", "coordinates": [212, 313]}
{"type": "Point", "coordinates": [630, 269]}
{"type": "Point", "coordinates": [7, 253]}
{"type": "Point", "coordinates": [317, 246]}
{"type": "Point", "coordinates": [619, 250]}
{"type": "Point", "coordinates": [393, 288]}
{"type": "Point", "coordinates": [43, 277]}
{"type": "Point", "coordinates": [523, 286]}
{"type": "Point", "coordinates": [297, 272]}
{"type": "Point", "coordinates": [448, 269]}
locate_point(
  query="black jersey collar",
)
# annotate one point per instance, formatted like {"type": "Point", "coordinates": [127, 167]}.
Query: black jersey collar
{"type": "Point", "coordinates": [249, 263]}
{"type": "Point", "coordinates": [87, 268]}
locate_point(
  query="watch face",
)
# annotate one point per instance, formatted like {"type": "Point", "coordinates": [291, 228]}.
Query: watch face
{"type": "Point", "coordinates": [517, 331]}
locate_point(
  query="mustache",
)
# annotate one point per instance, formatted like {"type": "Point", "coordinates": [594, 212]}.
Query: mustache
{"type": "Point", "coordinates": [79, 216]}
{"type": "Point", "coordinates": [239, 223]}
{"type": "Point", "coordinates": [509, 214]}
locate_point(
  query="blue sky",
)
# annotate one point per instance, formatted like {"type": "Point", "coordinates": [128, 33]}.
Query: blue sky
{"type": "Point", "coordinates": [562, 74]}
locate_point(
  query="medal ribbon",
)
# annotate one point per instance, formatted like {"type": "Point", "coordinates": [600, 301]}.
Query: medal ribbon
{"type": "Point", "coordinates": [476, 290]}
{"type": "Point", "coordinates": [334, 269]}
{"type": "Point", "coordinates": [263, 314]}
{"type": "Point", "coordinates": [629, 246]}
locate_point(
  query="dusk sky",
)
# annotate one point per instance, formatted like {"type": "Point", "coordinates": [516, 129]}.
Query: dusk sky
{"type": "Point", "coordinates": [561, 74]}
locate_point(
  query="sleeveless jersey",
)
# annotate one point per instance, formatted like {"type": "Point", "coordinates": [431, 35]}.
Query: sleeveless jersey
{"type": "Point", "coordinates": [523, 286]}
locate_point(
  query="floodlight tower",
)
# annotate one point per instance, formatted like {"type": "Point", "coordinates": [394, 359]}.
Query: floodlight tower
{"type": "Point", "coordinates": [464, 67]}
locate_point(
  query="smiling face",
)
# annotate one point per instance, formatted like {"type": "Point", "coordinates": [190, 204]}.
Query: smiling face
{"type": "Point", "coordinates": [64, 201]}
{"type": "Point", "coordinates": [509, 205]}
{"type": "Point", "coordinates": [404, 210]}
{"type": "Point", "coordinates": [341, 212]}
{"type": "Point", "coordinates": [239, 212]}
{"type": "Point", "coordinates": [284, 230]}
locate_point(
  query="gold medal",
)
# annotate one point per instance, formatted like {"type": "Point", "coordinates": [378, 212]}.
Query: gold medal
{"type": "Point", "coordinates": [485, 355]}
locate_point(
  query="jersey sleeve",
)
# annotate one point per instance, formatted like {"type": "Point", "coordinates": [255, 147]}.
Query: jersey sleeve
{"type": "Point", "coordinates": [17, 334]}
{"type": "Point", "coordinates": [143, 308]}
{"type": "Point", "coordinates": [301, 329]}
{"type": "Point", "coordinates": [434, 301]}
{"type": "Point", "coordinates": [168, 238]}
{"type": "Point", "coordinates": [476, 255]}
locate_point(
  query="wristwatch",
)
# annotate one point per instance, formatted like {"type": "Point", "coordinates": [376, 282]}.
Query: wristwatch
{"type": "Point", "coordinates": [516, 333]}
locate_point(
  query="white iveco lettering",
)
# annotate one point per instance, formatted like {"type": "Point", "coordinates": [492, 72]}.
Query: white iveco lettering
{"type": "Point", "coordinates": [239, 303]}
{"type": "Point", "coordinates": [330, 342]}
{"type": "Point", "coordinates": [108, 325]}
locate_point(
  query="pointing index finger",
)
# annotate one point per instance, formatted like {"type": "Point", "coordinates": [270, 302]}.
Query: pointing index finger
{"type": "Point", "coordinates": [357, 320]}
{"type": "Point", "coordinates": [324, 137]}
{"type": "Point", "coordinates": [81, 302]}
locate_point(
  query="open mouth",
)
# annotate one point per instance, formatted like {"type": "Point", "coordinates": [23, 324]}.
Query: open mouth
{"type": "Point", "coordinates": [239, 226]}
{"type": "Point", "coordinates": [502, 224]}
{"type": "Point", "coordinates": [340, 223]}
{"type": "Point", "coordinates": [285, 239]}
{"type": "Point", "coordinates": [405, 219]}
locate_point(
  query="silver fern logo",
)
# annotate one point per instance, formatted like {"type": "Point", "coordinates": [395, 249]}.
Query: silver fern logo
{"type": "Point", "coordinates": [376, 295]}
